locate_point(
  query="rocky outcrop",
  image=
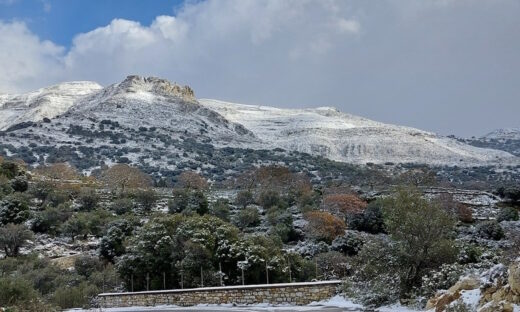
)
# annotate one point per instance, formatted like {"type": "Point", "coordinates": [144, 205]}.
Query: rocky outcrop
{"type": "Point", "coordinates": [514, 277]}
{"type": "Point", "coordinates": [444, 298]}
{"type": "Point", "coordinates": [156, 85]}
{"type": "Point", "coordinates": [499, 289]}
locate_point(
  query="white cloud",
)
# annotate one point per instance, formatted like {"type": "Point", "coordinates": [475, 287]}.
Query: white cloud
{"type": "Point", "coordinates": [403, 61]}
{"type": "Point", "coordinates": [348, 26]}
{"type": "Point", "coordinates": [26, 61]}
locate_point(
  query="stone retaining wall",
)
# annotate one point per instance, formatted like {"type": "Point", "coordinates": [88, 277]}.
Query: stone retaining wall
{"type": "Point", "coordinates": [293, 293]}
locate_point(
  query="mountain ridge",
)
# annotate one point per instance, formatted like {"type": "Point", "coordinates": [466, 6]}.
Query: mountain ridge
{"type": "Point", "coordinates": [81, 108]}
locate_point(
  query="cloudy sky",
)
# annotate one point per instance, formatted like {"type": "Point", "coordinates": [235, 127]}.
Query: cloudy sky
{"type": "Point", "coordinates": [449, 66]}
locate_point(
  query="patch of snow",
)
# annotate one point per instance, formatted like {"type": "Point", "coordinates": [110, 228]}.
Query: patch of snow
{"type": "Point", "coordinates": [338, 301]}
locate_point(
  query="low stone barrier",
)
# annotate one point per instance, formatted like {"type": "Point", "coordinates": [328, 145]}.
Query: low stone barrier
{"type": "Point", "coordinates": [291, 293]}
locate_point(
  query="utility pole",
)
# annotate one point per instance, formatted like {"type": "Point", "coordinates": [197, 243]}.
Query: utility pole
{"type": "Point", "coordinates": [266, 272]}
{"type": "Point", "coordinates": [132, 282]}
{"type": "Point", "coordinates": [243, 283]}
{"type": "Point", "coordinates": [164, 280]}
{"type": "Point", "coordinates": [147, 281]}
{"type": "Point", "coordinates": [220, 273]}
{"type": "Point", "coordinates": [182, 279]}
{"type": "Point", "coordinates": [201, 278]}
{"type": "Point", "coordinates": [290, 273]}
{"type": "Point", "coordinates": [316, 267]}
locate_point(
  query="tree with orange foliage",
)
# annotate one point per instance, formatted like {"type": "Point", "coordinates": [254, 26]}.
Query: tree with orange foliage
{"type": "Point", "coordinates": [58, 171]}
{"type": "Point", "coordinates": [191, 180]}
{"type": "Point", "coordinates": [124, 176]}
{"type": "Point", "coordinates": [343, 204]}
{"type": "Point", "coordinates": [323, 226]}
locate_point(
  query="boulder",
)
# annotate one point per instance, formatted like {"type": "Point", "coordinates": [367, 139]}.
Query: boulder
{"type": "Point", "coordinates": [495, 306]}
{"type": "Point", "coordinates": [466, 283]}
{"type": "Point", "coordinates": [514, 277]}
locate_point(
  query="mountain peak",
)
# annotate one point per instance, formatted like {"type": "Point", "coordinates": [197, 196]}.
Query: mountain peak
{"type": "Point", "coordinates": [135, 83]}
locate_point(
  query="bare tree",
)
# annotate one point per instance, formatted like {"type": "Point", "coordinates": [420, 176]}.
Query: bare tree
{"type": "Point", "coordinates": [58, 171]}
{"type": "Point", "coordinates": [123, 176]}
{"type": "Point", "coordinates": [191, 180]}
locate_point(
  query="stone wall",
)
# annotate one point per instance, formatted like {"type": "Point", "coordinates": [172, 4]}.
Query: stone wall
{"type": "Point", "coordinates": [293, 293]}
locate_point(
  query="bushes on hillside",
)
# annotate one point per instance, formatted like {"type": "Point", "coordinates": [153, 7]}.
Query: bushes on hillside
{"type": "Point", "coordinates": [490, 230]}
{"type": "Point", "coordinates": [370, 220]}
{"type": "Point", "coordinates": [323, 226]}
{"type": "Point", "coordinates": [507, 214]}
{"type": "Point", "coordinates": [247, 217]}
{"type": "Point", "coordinates": [14, 209]}
{"type": "Point", "coordinates": [423, 232]}
{"type": "Point", "coordinates": [13, 237]}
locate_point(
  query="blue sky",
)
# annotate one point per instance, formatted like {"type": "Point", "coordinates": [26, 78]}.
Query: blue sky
{"type": "Point", "coordinates": [60, 20]}
{"type": "Point", "coordinates": [448, 66]}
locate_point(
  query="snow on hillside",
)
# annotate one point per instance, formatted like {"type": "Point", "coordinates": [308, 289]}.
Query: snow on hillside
{"type": "Point", "coordinates": [343, 137]}
{"type": "Point", "coordinates": [44, 103]}
{"type": "Point", "coordinates": [175, 115]}
{"type": "Point", "coordinates": [506, 134]}
{"type": "Point", "coordinates": [153, 102]}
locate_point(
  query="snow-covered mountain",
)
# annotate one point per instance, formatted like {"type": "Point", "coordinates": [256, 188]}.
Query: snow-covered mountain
{"type": "Point", "coordinates": [44, 103]}
{"type": "Point", "coordinates": [504, 134]}
{"type": "Point", "coordinates": [140, 117]}
{"type": "Point", "coordinates": [328, 132]}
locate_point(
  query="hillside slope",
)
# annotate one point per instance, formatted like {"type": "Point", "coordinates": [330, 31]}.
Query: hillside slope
{"type": "Point", "coordinates": [343, 137]}
{"type": "Point", "coordinates": [44, 103]}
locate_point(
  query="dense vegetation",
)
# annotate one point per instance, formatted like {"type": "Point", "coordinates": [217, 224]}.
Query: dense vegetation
{"type": "Point", "coordinates": [265, 223]}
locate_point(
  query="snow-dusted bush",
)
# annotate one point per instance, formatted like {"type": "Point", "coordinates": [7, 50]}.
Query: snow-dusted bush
{"type": "Point", "coordinates": [247, 217]}
{"type": "Point", "coordinates": [490, 230]}
{"type": "Point", "coordinates": [507, 214]}
{"type": "Point", "coordinates": [376, 277]}
{"type": "Point", "coordinates": [370, 220]}
{"type": "Point", "coordinates": [349, 244]}
{"type": "Point", "coordinates": [443, 278]}
{"type": "Point", "coordinates": [14, 209]}
{"type": "Point", "coordinates": [122, 205]}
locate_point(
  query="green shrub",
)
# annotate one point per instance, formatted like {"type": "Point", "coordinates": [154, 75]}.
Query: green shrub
{"type": "Point", "coordinates": [423, 232]}
{"type": "Point", "coordinates": [88, 199]}
{"type": "Point", "coordinates": [13, 237]}
{"type": "Point", "coordinates": [244, 199]}
{"type": "Point", "coordinates": [51, 219]}
{"type": "Point", "coordinates": [68, 297]}
{"type": "Point", "coordinates": [179, 202]}
{"type": "Point", "coordinates": [5, 187]}
{"type": "Point", "coordinates": [507, 214]}
{"type": "Point", "coordinates": [247, 217]}
{"type": "Point", "coordinates": [146, 199]}
{"type": "Point", "coordinates": [56, 198]}
{"type": "Point", "coordinates": [220, 209]}
{"type": "Point", "coordinates": [15, 290]}
{"type": "Point", "coordinates": [370, 220]}
{"type": "Point", "coordinates": [86, 265]}
{"type": "Point", "coordinates": [490, 230]}
{"type": "Point", "coordinates": [269, 198]}
{"type": "Point", "coordinates": [14, 209]}
{"type": "Point", "coordinates": [19, 184]}
{"type": "Point", "coordinates": [349, 244]}
{"type": "Point", "coordinates": [122, 206]}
